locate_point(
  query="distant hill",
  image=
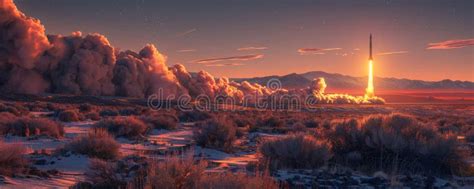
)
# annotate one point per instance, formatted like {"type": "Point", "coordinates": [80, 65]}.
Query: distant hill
{"type": "Point", "coordinates": [339, 81]}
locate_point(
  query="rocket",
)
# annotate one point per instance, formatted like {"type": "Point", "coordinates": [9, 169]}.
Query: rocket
{"type": "Point", "coordinates": [370, 47]}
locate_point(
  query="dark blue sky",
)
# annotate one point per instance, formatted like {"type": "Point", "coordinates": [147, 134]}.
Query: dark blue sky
{"type": "Point", "coordinates": [192, 30]}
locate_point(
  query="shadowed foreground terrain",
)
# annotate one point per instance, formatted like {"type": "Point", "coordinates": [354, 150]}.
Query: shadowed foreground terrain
{"type": "Point", "coordinates": [95, 142]}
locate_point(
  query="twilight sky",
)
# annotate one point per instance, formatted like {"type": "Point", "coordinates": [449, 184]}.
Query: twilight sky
{"type": "Point", "coordinates": [247, 38]}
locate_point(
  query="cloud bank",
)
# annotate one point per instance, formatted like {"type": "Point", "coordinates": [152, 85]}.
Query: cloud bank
{"type": "Point", "coordinates": [32, 62]}
{"type": "Point", "coordinates": [451, 44]}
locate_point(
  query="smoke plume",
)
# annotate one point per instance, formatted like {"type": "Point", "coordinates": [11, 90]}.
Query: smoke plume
{"type": "Point", "coordinates": [34, 63]}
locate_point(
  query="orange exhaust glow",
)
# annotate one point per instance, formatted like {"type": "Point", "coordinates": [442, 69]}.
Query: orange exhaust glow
{"type": "Point", "coordinates": [369, 92]}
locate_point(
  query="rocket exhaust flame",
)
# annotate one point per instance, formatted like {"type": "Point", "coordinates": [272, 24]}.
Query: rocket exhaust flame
{"type": "Point", "coordinates": [369, 92]}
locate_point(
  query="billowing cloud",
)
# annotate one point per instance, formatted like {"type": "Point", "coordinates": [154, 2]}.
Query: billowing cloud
{"type": "Point", "coordinates": [392, 53]}
{"type": "Point", "coordinates": [22, 42]}
{"type": "Point", "coordinates": [451, 44]}
{"type": "Point", "coordinates": [305, 51]}
{"type": "Point", "coordinates": [21, 34]}
{"type": "Point", "coordinates": [187, 32]}
{"type": "Point", "coordinates": [251, 48]}
{"type": "Point", "coordinates": [186, 50]}
{"type": "Point", "coordinates": [231, 58]}
{"type": "Point", "coordinates": [34, 63]}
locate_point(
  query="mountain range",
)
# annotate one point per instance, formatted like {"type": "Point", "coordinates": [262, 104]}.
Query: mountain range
{"type": "Point", "coordinates": [339, 81]}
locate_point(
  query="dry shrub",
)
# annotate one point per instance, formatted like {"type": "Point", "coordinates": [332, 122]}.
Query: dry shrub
{"type": "Point", "coordinates": [176, 173]}
{"type": "Point", "coordinates": [394, 143]}
{"type": "Point", "coordinates": [161, 121]}
{"type": "Point", "coordinates": [129, 127]}
{"type": "Point", "coordinates": [108, 112]}
{"type": "Point", "coordinates": [13, 109]}
{"type": "Point", "coordinates": [129, 111]}
{"type": "Point", "coordinates": [94, 116]}
{"type": "Point", "coordinates": [26, 126]}
{"type": "Point", "coordinates": [171, 173]}
{"type": "Point", "coordinates": [104, 174]}
{"type": "Point", "coordinates": [470, 136]}
{"type": "Point", "coordinates": [187, 173]}
{"type": "Point", "coordinates": [98, 143]}
{"type": "Point", "coordinates": [217, 133]}
{"type": "Point", "coordinates": [271, 121]}
{"type": "Point", "coordinates": [6, 118]}
{"type": "Point", "coordinates": [312, 123]}
{"type": "Point", "coordinates": [193, 116]}
{"type": "Point", "coordinates": [238, 181]}
{"type": "Point", "coordinates": [295, 151]}
{"type": "Point", "coordinates": [86, 107]}
{"type": "Point", "coordinates": [69, 116]}
{"type": "Point", "coordinates": [12, 160]}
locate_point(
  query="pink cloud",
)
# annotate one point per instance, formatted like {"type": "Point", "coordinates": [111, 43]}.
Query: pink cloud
{"type": "Point", "coordinates": [226, 64]}
{"type": "Point", "coordinates": [182, 34]}
{"type": "Point", "coordinates": [305, 51]}
{"type": "Point", "coordinates": [251, 48]}
{"type": "Point", "coordinates": [391, 53]}
{"type": "Point", "coordinates": [232, 58]}
{"type": "Point", "coordinates": [451, 44]}
{"type": "Point", "coordinates": [186, 50]}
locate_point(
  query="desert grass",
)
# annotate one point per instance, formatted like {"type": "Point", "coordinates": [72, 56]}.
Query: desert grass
{"type": "Point", "coordinates": [69, 116]}
{"type": "Point", "coordinates": [161, 121]}
{"type": "Point", "coordinates": [26, 126]}
{"type": "Point", "coordinates": [12, 159]}
{"type": "Point", "coordinates": [218, 133]}
{"type": "Point", "coordinates": [128, 127]}
{"type": "Point", "coordinates": [98, 143]}
{"type": "Point", "coordinates": [394, 143]}
{"type": "Point", "coordinates": [296, 151]}
{"type": "Point", "coordinates": [173, 172]}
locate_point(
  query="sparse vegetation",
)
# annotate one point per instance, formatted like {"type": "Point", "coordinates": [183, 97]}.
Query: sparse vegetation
{"type": "Point", "coordinates": [176, 173]}
{"type": "Point", "coordinates": [470, 136]}
{"type": "Point", "coordinates": [12, 160]}
{"type": "Point", "coordinates": [26, 126]}
{"type": "Point", "coordinates": [170, 173]}
{"type": "Point", "coordinates": [161, 121]}
{"type": "Point", "coordinates": [86, 107]}
{"type": "Point", "coordinates": [312, 123]}
{"type": "Point", "coordinates": [98, 143]}
{"type": "Point", "coordinates": [69, 116]}
{"type": "Point", "coordinates": [395, 142]}
{"type": "Point", "coordinates": [193, 116]}
{"type": "Point", "coordinates": [272, 121]}
{"type": "Point", "coordinates": [129, 127]}
{"type": "Point", "coordinates": [218, 133]}
{"type": "Point", "coordinates": [94, 116]}
{"type": "Point", "coordinates": [238, 181]}
{"type": "Point", "coordinates": [129, 112]}
{"type": "Point", "coordinates": [12, 108]}
{"type": "Point", "coordinates": [296, 151]}
{"type": "Point", "coordinates": [108, 112]}
{"type": "Point", "coordinates": [119, 174]}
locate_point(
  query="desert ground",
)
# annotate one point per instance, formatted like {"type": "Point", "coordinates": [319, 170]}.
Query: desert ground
{"type": "Point", "coordinates": [94, 142]}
